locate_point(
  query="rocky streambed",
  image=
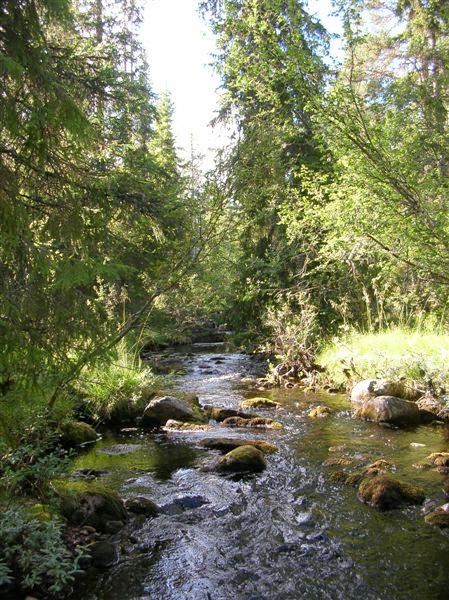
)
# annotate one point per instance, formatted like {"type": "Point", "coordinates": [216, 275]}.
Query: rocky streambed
{"type": "Point", "coordinates": [296, 528]}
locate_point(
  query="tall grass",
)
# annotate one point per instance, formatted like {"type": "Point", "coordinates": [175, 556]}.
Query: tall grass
{"type": "Point", "coordinates": [417, 354]}
{"type": "Point", "coordinates": [119, 388]}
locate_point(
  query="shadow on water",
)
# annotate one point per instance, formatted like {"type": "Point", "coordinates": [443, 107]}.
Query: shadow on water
{"type": "Point", "coordinates": [287, 533]}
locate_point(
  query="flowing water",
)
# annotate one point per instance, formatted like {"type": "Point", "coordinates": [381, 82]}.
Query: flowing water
{"type": "Point", "coordinates": [287, 533]}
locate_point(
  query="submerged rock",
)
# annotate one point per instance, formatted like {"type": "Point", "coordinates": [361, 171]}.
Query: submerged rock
{"type": "Point", "coordinates": [319, 412]}
{"type": "Point", "coordinates": [183, 503]}
{"type": "Point", "coordinates": [228, 444]}
{"type": "Point", "coordinates": [139, 505]}
{"type": "Point", "coordinates": [160, 410]}
{"type": "Point", "coordinates": [259, 403]}
{"type": "Point", "coordinates": [256, 423]}
{"type": "Point", "coordinates": [218, 413]}
{"type": "Point", "coordinates": [244, 459]}
{"type": "Point", "coordinates": [118, 449]}
{"type": "Point", "coordinates": [172, 425]}
{"type": "Point", "coordinates": [77, 433]}
{"type": "Point", "coordinates": [439, 517]}
{"type": "Point", "coordinates": [384, 492]}
{"type": "Point", "coordinates": [388, 409]}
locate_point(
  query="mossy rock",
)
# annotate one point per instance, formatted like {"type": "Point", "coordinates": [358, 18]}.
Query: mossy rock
{"type": "Point", "coordinates": [338, 462]}
{"type": "Point", "coordinates": [139, 505]}
{"type": "Point", "coordinates": [76, 433]}
{"type": "Point", "coordinates": [439, 517]}
{"type": "Point", "coordinates": [228, 444]}
{"type": "Point", "coordinates": [439, 459]}
{"type": "Point", "coordinates": [320, 412]}
{"type": "Point", "coordinates": [162, 409]}
{"type": "Point", "coordinates": [259, 403]}
{"type": "Point", "coordinates": [172, 425]}
{"type": "Point", "coordinates": [384, 493]}
{"type": "Point", "coordinates": [254, 423]}
{"type": "Point", "coordinates": [219, 414]}
{"type": "Point", "coordinates": [95, 507]}
{"type": "Point", "coordinates": [244, 459]}
{"type": "Point", "coordinates": [388, 409]}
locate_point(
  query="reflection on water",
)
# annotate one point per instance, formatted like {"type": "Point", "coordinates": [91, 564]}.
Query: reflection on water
{"type": "Point", "coordinates": [285, 534]}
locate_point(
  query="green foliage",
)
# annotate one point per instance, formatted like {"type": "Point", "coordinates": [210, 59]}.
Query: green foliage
{"type": "Point", "coordinates": [33, 554]}
{"type": "Point", "coordinates": [418, 354]}
{"type": "Point", "coordinates": [117, 389]}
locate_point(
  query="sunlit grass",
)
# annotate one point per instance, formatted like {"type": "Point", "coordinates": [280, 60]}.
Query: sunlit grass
{"type": "Point", "coordinates": [395, 352]}
{"type": "Point", "coordinates": [119, 388]}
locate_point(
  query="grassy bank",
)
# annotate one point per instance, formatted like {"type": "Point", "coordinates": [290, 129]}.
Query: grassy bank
{"type": "Point", "coordinates": [413, 353]}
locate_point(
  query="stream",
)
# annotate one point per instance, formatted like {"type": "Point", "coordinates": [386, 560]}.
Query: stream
{"type": "Point", "coordinates": [289, 532]}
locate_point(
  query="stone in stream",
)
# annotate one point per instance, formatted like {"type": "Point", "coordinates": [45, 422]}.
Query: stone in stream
{"type": "Point", "coordinates": [161, 409]}
{"type": "Point", "coordinates": [95, 507]}
{"type": "Point", "coordinates": [439, 459]}
{"type": "Point", "coordinates": [378, 467]}
{"type": "Point", "coordinates": [118, 449]}
{"type": "Point", "coordinates": [172, 425]}
{"type": "Point", "coordinates": [183, 503]}
{"type": "Point", "coordinates": [103, 554]}
{"type": "Point", "coordinates": [372, 388]}
{"type": "Point", "coordinates": [320, 412]}
{"type": "Point", "coordinates": [384, 492]}
{"type": "Point", "coordinates": [388, 409]}
{"type": "Point", "coordinates": [139, 505]}
{"type": "Point", "coordinates": [259, 403]}
{"type": "Point", "coordinates": [77, 433]}
{"type": "Point", "coordinates": [254, 423]}
{"type": "Point", "coordinates": [218, 413]}
{"type": "Point", "coordinates": [439, 517]}
{"type": "Point", "coordinates": [244, 459]}
{"type": "Point", "coordinates": [228, 444]}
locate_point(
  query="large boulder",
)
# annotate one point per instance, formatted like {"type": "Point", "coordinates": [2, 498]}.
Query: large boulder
{"type": "Point", "coordinates": [388, 409]}
{"type": "Point", "coordinates": [244, 459]}
{"type": "Point", "coordinates": [228, 444]}
{"type": "Point", "coordinates": [384, 492]}
{"type": "Point", "coordinates": [76, 433]}
{"type": "Point", "coordinates": [371, 388]}
{"type": "Point", "coordinates": [161, 409]}
{"type": "Point", "coordinates": [96, 507]}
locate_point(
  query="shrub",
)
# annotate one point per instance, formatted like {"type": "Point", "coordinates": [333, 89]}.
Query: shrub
{"type": "Point", "coordinates": [33, 554]}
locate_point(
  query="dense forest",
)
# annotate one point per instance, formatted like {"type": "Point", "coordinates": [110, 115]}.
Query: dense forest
{"type": "Point", "coordinates": [319, 241]}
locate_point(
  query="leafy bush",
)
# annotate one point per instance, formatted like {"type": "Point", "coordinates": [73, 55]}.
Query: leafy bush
{"type": "Point", "coordinates": [33, 554]}
{"type": "Point", "coordinates": [293, 326]}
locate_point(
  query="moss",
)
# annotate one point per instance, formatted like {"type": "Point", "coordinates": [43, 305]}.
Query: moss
{"type": "Point", "coordinates": [259, 403]}
{"type": "Point", "coordinates": [140, 505]}
{"type": "Point", "coordinates": [243, 459]}
{"type": "Point", "coordinates": [76, 433]}
{"type": "Point", "coordinates": [41, 512]}
{"type": "Point", "coordinates": [384, 493]}
{"type": "Point", "coordinates": [94, 506]}
{"type": "Point", "coordinates": [228, 444]}
{"type": "Point", "coordinates": [439, 517]}
{"type": "Point", "coordinates": [319, 412]}
{"type": "Point", "coordinates": [338, 462]}
{"type": "Point", "coordinates": [439, 459]}
{"type": "Point", "coordinates": [173, 425]}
